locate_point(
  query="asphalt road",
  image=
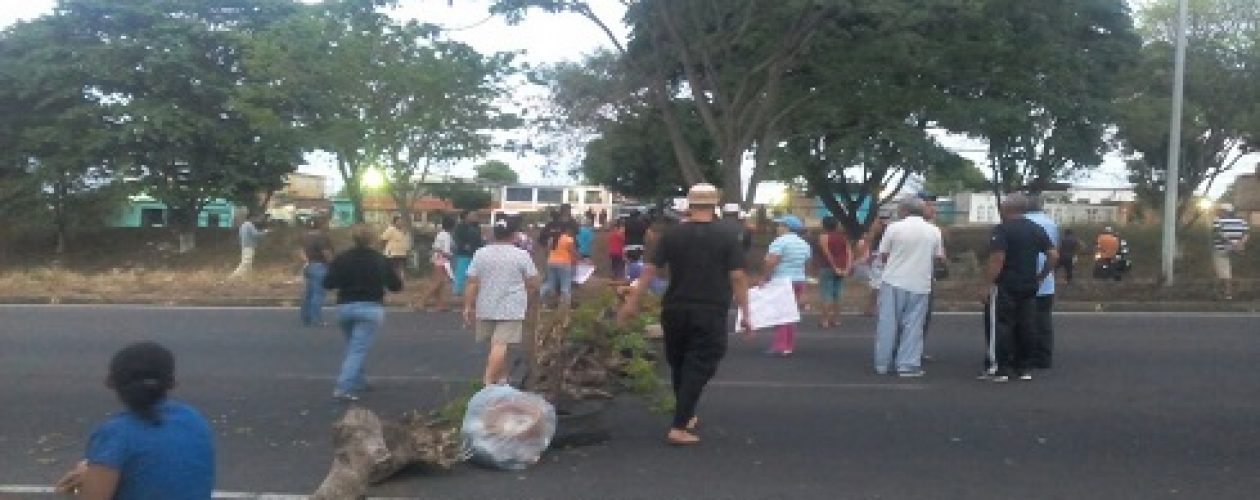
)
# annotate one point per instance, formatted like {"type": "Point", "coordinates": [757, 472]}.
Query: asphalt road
{"type": "Point", "coordinates": [1138, 406]}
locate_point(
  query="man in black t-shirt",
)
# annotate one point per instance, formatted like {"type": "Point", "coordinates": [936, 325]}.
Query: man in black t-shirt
{"type": "Point", "coordinates": [1010, 290]}
{"type": "Point", "coordinates": [706, 267]}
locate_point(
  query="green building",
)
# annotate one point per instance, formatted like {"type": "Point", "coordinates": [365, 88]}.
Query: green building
{"type": "Point", "coordinates": [145, 211]}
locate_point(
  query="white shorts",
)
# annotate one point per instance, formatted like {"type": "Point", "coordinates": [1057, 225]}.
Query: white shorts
{"type": "Point", "coordinates": [1221, 263]}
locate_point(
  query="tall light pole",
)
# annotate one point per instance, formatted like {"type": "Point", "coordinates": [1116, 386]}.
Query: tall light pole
{"type": "Point", "coordinates": [1173, 176]}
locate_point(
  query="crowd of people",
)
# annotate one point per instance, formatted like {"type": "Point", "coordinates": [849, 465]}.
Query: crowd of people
{"type": "Point", "coordinates": [159, 447]}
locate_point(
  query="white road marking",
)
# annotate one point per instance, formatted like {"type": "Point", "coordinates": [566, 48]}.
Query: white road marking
{"type": "Point", "coordinates": [19, 489]}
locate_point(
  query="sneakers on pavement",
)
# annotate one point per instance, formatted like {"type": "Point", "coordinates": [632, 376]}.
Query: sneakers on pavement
{"type": "Point", "coordinates": [1025, 377]}
{"type": "Point", "coordinates": [911, 374]}
{"type": "Point", "coordinates": [993, 377]}
{"type": "Point", "coordinates": [345, 397]}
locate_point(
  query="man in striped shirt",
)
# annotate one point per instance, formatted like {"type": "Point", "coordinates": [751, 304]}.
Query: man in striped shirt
{"type": "Point", "coordinates": [1229, 234]}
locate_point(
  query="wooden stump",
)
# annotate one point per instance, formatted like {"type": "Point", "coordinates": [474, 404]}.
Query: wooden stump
{"type": "Point", "coordinates": [368, 450]}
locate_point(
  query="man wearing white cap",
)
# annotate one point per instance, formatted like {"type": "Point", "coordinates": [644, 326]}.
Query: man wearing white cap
{"type": "Point", "coordinates": [1229, 234]}
{"type": "Point", "coordinates": [706, 269]}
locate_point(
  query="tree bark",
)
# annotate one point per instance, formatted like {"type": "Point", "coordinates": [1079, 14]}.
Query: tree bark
{"type": "Point", "coordinates": [369, 451]}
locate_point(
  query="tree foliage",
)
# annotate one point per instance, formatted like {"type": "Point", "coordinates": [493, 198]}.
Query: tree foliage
{"type": "Point", "coordinates": [497, 172]}
{"type": "Point", "coordinates": [1222, 98]}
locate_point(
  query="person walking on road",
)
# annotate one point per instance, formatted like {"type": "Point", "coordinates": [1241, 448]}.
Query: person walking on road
{"type": "Point", "coordinates": [396, 242]}
{"type": "Point", "coordinates": [250, 237]}
{"type": "Point", "coordinates": [317, 253]}
{"type": "Point", "coordinates": [706, 267]}
{"type": "Point", "coordinates": [500, 279]}
{"type": "Point", "coordinates": [1069, 248]}
{"type": "Point", "coordinates": [1012, 278]}
{"type": "Point", "coordinates": [441, 260]}
{"type": "Point", "coordinates": [1041, 351]}
{"type": "Point", "coordinates": [786, 260]}
{"type": "Point", "coordinates": [1229, 237]}
{"type": "Point", "coordinates": [909, 251]}
{"type": "Point", "coordinates": [468, 240]}
{"type": "Point", "coordinates": [561, 259]}
{"type": "Point", "coordinates": [361, 275]}
{"type": "Point", "coordinates": [835, 261]}
{"type": "Point", "coordinates": [157, 448]}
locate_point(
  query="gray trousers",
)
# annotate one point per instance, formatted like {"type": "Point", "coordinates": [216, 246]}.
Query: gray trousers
{"type": "Point", "coordinates": [899, 334]}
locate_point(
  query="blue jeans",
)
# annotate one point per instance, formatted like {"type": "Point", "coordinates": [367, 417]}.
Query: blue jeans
{"type": "Point", "coordinates": [313, 294]}
{"type": "Point", "coordinates": [359, 322]}
{"type": "Point", "coordinates": [461, 274]}
{"type": "Point", "coordinates": [559, 279]}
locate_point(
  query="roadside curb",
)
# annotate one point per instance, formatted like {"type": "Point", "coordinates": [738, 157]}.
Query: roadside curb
{"type": "Point", "coordinates": [1220, 306]}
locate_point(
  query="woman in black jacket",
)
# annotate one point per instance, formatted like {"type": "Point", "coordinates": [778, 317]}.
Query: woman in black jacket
{"type": "Point", "coordinates": [360, 275]}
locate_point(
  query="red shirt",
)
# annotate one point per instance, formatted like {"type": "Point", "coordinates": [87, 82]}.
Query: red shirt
{"type": "Point", "coordinates": [838, 244]}
{"type": "Point", "coordinates": [617, 242]}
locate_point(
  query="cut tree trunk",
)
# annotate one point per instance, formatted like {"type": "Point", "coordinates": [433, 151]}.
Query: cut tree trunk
{"type": "Point", "coordinates": [368, 450]}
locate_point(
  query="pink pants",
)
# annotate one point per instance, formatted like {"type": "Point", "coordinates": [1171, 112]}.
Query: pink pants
{"type": "Point", "coordinates": [785, 335]}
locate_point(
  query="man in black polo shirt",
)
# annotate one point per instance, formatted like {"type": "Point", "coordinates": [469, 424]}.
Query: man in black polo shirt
{"type": "Point", "coordinates": [706, 267]}
{"type": "Point", "coordinates": [1010, 290]}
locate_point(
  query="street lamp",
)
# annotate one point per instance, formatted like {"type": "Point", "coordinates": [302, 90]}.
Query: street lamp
{"type": "Point", "coordinates": [1174, 146]}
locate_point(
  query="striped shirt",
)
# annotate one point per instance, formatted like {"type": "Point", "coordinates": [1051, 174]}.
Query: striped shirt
{"type": "Point", "coordinates": [1227, 233]}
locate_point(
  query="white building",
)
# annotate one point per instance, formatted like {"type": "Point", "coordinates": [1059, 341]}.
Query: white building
{"type": "Point", "coordinates": [534, 198]}
{"type": "Point", "coordinates": [1074, 206]}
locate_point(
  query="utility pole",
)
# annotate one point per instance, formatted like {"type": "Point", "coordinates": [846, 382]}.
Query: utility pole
{"type": "Point", "coordinates": [1172, 176]}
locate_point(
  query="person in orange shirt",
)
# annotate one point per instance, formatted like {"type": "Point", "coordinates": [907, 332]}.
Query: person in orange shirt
{"type": "Point", "coordinates": [1107, 248]}
{"type": "Point", "coordinates": [562, 256]}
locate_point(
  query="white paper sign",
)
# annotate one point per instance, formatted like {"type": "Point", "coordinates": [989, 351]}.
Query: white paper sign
{"type": "Point", "coordinates": [772, 304]}
{"type": "Point", "coordinates": [583, 272]}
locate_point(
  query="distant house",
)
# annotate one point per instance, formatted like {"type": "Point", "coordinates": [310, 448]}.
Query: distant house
{"type": "Point", "coordinates": [146, 211]}
{"type": "Point", "coordinates": [1070, 207]}
{"type": "Point", "coordinates": [522, 198]}
{"type": "Point", "coordinates": [1247, 197]}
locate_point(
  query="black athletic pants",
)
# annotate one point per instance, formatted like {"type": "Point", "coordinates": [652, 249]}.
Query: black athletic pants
{"type": "Point", "coordinates": [695, 342]}
{"type": "Point", "coordinates": [1009, 328]}
{"type": "Point", "coordinates": [1043, 336]}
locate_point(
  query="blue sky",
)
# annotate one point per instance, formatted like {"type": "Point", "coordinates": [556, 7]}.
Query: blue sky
{"type": "Point", "coordinates": [547, 38]}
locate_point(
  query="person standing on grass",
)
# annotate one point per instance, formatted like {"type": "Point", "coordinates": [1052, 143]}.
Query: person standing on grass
{"type": "Point", "coordinates": [443, 253]}
{"type": "Point", "coordinates": [706, 267]}
{"type": "Point", "coordinates": [786, 260]}
{"type": "Point", "coordinates": [1041, 350]}
{"type": "Point", "coordinates": [158, 448]}
{"type": "Point", "coordinates": [1229, 237]}
{"type": "Point", "coordinates": [909, 251]}
{"type": "Point", "coordinates": [500, 279]}
{"type": "Point", "coordinates": [561, 257]}
{"type": "Point", "coordinates": [616, 243]}
{"type": "Point", "coordinates": [835, 261]}
{"type": "Point", "coordinates": [361, 276]}
{"type": "Point", "coordinates": [396, 241]}
{"type": "Point", "coordinates": [1012, 277]}
{"type": "Point", "coordinates": [250, 237]}
{"type": "Point", "coordinates": [468, 240]}
{"type": "Point", "coordinates": [1069, 248]}
{"type": "Point", "coordinates": [317, 253]}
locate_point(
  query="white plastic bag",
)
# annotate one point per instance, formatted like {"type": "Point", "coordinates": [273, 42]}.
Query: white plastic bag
{"type": "Point", "coordinates": [506, 428]}
{"type": "Point", "coordinates": [772, 304]}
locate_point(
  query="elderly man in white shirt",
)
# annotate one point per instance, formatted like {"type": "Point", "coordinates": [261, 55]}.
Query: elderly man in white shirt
{"type": "Point", "coordinates": [909, 250]}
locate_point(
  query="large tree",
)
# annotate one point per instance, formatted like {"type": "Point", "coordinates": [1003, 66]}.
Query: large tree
{"type": "Point", "coordinates": [497, 172]}
{"type": "Point", "coordinates": [1222, 98]}
{"type": "Point", "coordinates": [727, 59]}
{"type": "Point", "coordinates": [1037, 81]}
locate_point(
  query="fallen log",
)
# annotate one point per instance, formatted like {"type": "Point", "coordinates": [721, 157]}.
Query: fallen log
{"type": "Point", "coordinates": [368, 451]}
